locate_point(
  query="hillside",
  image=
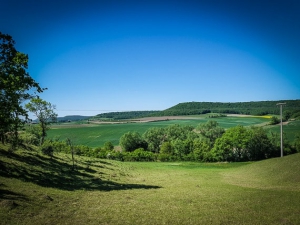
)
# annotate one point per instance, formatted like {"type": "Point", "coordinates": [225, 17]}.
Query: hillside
{"type": "Point", "coordinates": [276, 173]}
{"type": "Point", "coordinates": [249, 108]}
{"type": "Point", "coordinates": [124, 115]}
{"type": "Point", "coordinates": [35, 189]}
{"type": "Point", "coordinates": [72, 118]}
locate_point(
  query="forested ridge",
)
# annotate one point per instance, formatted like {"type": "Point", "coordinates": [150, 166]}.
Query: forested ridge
{"type": "Point", "coordinates": [196, 108]}
{"type": "Point", "coordinates": [124, 115]}
{"type": "Point", "coordinates": [249, 108]}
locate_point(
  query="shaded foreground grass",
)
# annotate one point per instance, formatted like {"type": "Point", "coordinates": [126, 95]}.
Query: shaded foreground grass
{"type": "Point", "coordinates": [38, 190]}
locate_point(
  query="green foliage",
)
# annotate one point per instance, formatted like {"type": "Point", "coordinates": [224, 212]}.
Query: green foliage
{"type": "Point", "coordinates": [211, 131]}
{"type": "Point", "coordinates": [124, 115]}
{"type": "Point", "coordinates": [131, 141]}
{"type": "Point", "coordinates": [44, 111]}
{"type": "Point", "coordinates": [232, 146]}
{"type": "Point", "coordinates": [47, 148]}
{"type": "Point", "coordinates": [139, 155]}
{"type": "Point", "coordinates": [249, 108]}
{"type": "Point", "coordinates": [31, 135]}
{"type": "Point", "coordinates": [274, 120]}
{"type": "Point", "coordinates": [16, 86]}
{"type": "Point", "coordinates": [166, 148]}
{"type": "Point", "coordinates": [154, 137]}
{"type": "Point", "coordinates": [108, 146]}
{"type": "Point", "coordinates": [297, 143]}
{"type": "Point", "coordinates": [259, 146]}
{"type": "Point", "coordinates": [201, 149]}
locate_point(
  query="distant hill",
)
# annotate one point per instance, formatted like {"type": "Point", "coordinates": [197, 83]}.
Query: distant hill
{"type": "Point", "coordinates": [72, 118]}
{"type": "Point", "coordinates": [124, 115]}
{"type": "Point", "coordinates": [249, 108]}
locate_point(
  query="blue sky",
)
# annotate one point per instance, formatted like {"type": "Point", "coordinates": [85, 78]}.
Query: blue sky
{"type": "Point", "coordinates": [102, 56]}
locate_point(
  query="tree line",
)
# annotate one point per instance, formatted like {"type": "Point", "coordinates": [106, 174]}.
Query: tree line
{"type": "Point", "coordinates": [207, 142]}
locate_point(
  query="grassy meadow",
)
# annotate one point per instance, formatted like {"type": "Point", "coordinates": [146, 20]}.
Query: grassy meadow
{"type": "Point", "coordinates": [95, 135]}
{"type": "Point", "coordinates": [35, 189]}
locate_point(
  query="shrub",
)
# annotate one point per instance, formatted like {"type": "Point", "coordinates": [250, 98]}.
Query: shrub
{"type": "Point", "coordinates": [274, 120]}
{"type": "Point", "coordinates": [47, 148]}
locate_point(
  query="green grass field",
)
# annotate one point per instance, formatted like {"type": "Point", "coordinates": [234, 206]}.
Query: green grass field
{"type": "Point", "coordinates": [35, 189]}
{"type": "Point", "coordinates": [94, 135]}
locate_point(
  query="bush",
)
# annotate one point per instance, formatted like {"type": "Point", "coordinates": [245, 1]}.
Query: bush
{"type": "Point", "coordinates": [47, 148]}
{"type": "Point", "coordinates": [140, 155]}
{"type": "Point", "coordinates": [274, 120]}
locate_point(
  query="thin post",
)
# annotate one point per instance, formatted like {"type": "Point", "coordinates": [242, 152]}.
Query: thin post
{"type": "Point", "coordinates": [281, 139]}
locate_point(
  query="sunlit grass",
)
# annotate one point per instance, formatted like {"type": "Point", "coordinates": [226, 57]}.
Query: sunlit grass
{"type": "Point", "coordinates": [37, 190]}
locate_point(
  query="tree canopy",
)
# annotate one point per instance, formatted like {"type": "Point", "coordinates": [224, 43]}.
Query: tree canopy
{"type": "Point", "coordinates": [16, 86]}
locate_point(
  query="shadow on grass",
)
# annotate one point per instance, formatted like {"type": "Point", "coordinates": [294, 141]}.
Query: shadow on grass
{"type": "Point", "coordinates": [56, 173]}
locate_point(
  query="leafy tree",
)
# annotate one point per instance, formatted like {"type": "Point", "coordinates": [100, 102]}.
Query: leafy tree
{"type": "Point", "coordinates": [287, 115]}
{"type": "Point", "coordinates": [274, 120]}
{"type": "Point", "coordinates": [16, 86]}
{"type": "Point", "coordinates": [108, 146]}
{"type": "Point", "coordinates": [259, 145]}
{"type": "Point", "coordinates": [154, 136]}
{"type": "Point", "coordinates": [232, 145]}
{"type": "Point", "coordinates": [166, 148]}
{"type": "Point", "coordinates": [131, 141]}
{"type": "Point", "coordinates": [211, 131]}
{"type": "Point", "coordinates": [44, 111]}
{"type": "Point", "coordinates": [201, 149]}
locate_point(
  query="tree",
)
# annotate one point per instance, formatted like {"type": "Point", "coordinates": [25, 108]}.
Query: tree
{"type": "Point", "coordinates": [108, 146]}
{"type": "Point", "coordinates": [274, 120]}
{"type": "Point", "coordinates": [154, 136]}
{"type": "Point", "coordinates": [259, 145]}
{"type": "Point", "coordinates": [131, 141]}
{"type": "Point", "coordinates": [44, 111]}
{"type": "Point", "coordinates": [211, 131]}
{"type": "Point", "coordinates": [15, 84]}
{"type": "Point", "coordinates": [232, 145]}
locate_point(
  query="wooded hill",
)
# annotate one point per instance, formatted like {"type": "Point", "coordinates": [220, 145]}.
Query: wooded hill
{"type": "Point", "coordinates": [124, 115]}
{"type": "Point", "coordinates": [249, 108]}
{"type": "Point", "coordinates": [196, 108]}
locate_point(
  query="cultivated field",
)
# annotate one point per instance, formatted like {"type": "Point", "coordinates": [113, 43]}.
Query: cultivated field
{"type": "Point", "coordinates": [95, 134]}
{"type": "Point", "coordinates": [35, 189]}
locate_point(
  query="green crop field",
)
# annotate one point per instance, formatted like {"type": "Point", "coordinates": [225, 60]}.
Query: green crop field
{"type": "Point", "coordinates": [35, 189]}
{"type": "Point", "coordinates": [290, 130]}
{"type": "Point", "coordinates": [95, 135]}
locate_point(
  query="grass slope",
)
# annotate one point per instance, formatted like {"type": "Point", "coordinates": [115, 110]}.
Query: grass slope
{"type": "Point", "coordinates": [35, 189]}
{"type": "Point", "coordinates": [277, 173]}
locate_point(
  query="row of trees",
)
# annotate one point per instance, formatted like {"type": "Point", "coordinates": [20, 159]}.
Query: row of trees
{"type": "Point", "coordinates": [207, 142]}
{"type": "Point", "coordinates": [16, 88]}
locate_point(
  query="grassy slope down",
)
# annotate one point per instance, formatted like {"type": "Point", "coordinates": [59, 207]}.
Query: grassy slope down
{"type": "Point", "coordinates": [277, 173]}
{"type": "Point", "coordinates": [35, 189]}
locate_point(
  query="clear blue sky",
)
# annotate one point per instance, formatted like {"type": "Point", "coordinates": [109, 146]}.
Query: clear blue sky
{"type": "Point", "coordinates": [102, 56]}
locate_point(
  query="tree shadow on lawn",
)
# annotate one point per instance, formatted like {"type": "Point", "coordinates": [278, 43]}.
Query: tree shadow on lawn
{"type": "Point", "coordinates": [58, 174]}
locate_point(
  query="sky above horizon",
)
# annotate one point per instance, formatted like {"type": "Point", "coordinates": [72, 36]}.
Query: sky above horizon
{"type": "Point", "coordinates": [103, 56]}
